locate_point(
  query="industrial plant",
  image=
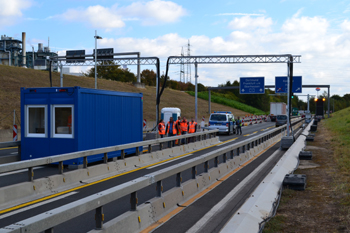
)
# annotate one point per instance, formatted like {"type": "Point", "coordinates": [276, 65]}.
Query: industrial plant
{"type": "Point", "coordinates": [13, 53]}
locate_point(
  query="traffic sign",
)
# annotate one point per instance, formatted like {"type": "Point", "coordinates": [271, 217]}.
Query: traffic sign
{"type": "Point", "coordinates": [281, 84]}
{"type": "Point", "coordinates": [252, 85]}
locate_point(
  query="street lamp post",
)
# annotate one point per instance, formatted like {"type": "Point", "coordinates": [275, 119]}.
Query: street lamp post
{"type": "Point", "coordinates": [96, 37]}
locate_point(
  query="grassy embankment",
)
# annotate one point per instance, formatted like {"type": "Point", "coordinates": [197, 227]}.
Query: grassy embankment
{"type": "Point", "coordinates": [228, 102]}
{"type": "Point", "coordinates": [325, 204]}
{"type": "Point", "coordinates": [13, 78]}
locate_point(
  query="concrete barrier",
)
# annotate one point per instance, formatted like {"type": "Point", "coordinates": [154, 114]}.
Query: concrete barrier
{"type": "Point", "coordinates": [27, 191]}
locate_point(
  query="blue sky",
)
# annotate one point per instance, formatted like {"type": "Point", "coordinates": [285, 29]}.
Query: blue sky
{"type": "Point", "coordinates": [318, 30]}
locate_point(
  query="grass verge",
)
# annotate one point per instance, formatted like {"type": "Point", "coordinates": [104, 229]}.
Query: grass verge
{"type": "Point", "coordinates": [228, 102]}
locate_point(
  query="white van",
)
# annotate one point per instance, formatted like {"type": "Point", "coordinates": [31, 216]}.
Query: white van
{"type": "Point", "coordinates": [168, 112]}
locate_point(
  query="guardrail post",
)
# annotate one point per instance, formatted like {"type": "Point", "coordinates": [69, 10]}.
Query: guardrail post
{"type": "Point", "coordinates": [85, 163]}
{"type": "Point", "coordinates": [149, 149]}
{"type": "Point", "coordinates": [209, 135]}
{"type": "Point", "coordinates": [49, 230]}
{"type": "Point", "coordinates": [122, 154]}
{"type": "Point", "coordinates": [194, 172]}
{"type": "Point", "coordinates": [238, 151]}
{"type": "Point", "coordinates": [60, 167]}
{"type": "Point", "coordinates": [224, 158]}
{"type": "Point", "coordinates": [161, 146]}
{"type": "Point", "coordinates": [137, 151]}
{"type": "Point", "coordinates": [206, 166]}
{"type": "Point", "coordinates": [232, 154]}
{"type": "Point", "coordinates": [216, 161]}
{"type": "Point", "coordinates": [159, 188]}
{"type": "Point", "coordinates": [243, 149]}
{"type": "Point", "coordinates": [99, 218]}
{"type": "Point", "coordinates": [178, 179]}
{"type": "Point", "coordinates": [105, 158]}
{"type": "Point", "coordinates": [133, 201]}
{"type": "Point", "coordinates": [30, 174]}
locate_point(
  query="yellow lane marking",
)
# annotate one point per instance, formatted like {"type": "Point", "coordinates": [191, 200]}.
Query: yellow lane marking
{"type": "Point", "coordinates": [246, 135]}
{"type": "Point", "coordinates": [226, 141]}
{"type": "Point", "coordinates": [96, 182]}
{"type": "Point", "coordinates": [8, 148]}
{"type": "Point", "coordinates": [202, 193]}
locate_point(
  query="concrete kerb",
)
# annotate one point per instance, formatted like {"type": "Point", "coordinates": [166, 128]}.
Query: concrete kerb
{"type": "Point", "coordinates": [27, 191]}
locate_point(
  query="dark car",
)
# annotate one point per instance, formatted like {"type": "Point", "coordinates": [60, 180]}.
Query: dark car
{"type": "Point", "coordinates": [281, 120]}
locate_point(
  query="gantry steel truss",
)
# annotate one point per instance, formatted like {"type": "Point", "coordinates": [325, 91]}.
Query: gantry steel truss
{"type": "Point", "coordinates": [230, 59]}
{"type": "Point", "coordinates": [108, 62]}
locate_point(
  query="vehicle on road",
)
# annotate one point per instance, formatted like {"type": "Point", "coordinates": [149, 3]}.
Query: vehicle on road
{"type": "Point", "coordinates": [277, 108]}
{"type": "Point", "coordinates": [224, 121]}
{"type": "Point", "coordinates": [281, 120]}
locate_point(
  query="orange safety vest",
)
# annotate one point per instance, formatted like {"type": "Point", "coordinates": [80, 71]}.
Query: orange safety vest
{"type": "Point", "coordinates": [177, 122]}
{"type": "Point", "coordinates": [192, 127]}
{"type": "Point", "coordinates": [174, 129]}
{"type": "Point", "coordinates": [162, 129]}
{"type": "Point", "coordinates": [184, 126]}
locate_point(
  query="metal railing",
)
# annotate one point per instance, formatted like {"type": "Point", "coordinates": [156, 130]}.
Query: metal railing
{"type": "Point", "coordinates": [30, 164]}
{"type": "Point", "coordinates": [47, 221]}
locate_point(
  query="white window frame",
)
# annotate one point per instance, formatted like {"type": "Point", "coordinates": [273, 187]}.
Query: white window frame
{"type": "Point", "coordinates": [35, 135]}
{"type": "Point", "coordinates": [53, 134]}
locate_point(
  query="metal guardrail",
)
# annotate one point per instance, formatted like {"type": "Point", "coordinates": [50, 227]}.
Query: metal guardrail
{"type": "Point", "coordinates": [46, 221]}
{"type": "Point", "coordinates": [9, 144]}
{"type": "Point", "coordinates": [30, 164]}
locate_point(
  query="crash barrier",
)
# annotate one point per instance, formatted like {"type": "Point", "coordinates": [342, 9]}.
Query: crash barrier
{"type": "Point", "coordinates": [260, 205]}
{"type": "Point", "coordinates": [141, 216]}
{"type": "Point", "coordinates": [22, 192]}
{"type": "Point", "coordinates": [10, 158]}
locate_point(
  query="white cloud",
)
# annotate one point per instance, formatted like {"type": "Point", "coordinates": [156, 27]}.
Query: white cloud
{"type": "Point", "coordinates": [345, 25]}
{"type": "Point", "coordinates": [149, 13]}
{"type": "Point", "coordinates": [12, 10]}
{"type": "Point", "coordinates": [154, 12]}
{"type": "Point", "coordinates": [249, 23]}
{"type": "Point", "coordinates": [238, 14]}
{"type": "Point", "coordinates": [95, 16]}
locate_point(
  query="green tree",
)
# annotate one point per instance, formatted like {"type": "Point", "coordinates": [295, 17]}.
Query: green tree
{"type": "Point", "coordinates": [148, 77]}
{"type": "Point", "coordinates": [112, 72]}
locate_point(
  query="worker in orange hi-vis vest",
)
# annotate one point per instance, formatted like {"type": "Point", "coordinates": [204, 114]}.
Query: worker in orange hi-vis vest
{"type": "Point", "coordinates": [192, 128]}
{"type": "Point", "coordinates": [161, 128]}
{"type": "Point", "coordinates": [178, 127]}
{"type": "Point", "coordinates": [184, 128]}
{"type": "Point", "coordinates": [171, 131]}
{"type": "Point", "coordinates": [70, 123]}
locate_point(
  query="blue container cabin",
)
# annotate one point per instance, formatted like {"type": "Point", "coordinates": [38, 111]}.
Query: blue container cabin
{"type": "Point", "coordinates": [62, 120]}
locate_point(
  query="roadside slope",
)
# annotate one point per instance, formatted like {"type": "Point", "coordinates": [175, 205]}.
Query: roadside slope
{"type": "Point", "coordinates": [13, 78]}
{"type": "Point", "coordinates": [324, 205]}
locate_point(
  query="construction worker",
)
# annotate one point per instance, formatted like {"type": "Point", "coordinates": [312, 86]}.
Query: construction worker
{"type": "Point", "coordinates": [178, 127]}
{"type": "Point", "coordinates": [184, 128]}
{"type": "Point", "coordinates": [239, 126]}
{"type": "Point", "coordinates": [161, 128]}
{"type": "Point", "coordinates": [171, 130]}
{"type": "Point", "coordinates": [192, 128]}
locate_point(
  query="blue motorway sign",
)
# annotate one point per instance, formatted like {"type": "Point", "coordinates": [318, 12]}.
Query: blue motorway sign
{"type": "Point", "coordinates": [252, 85]}
{"type": "Point", "coordinates": [281, 84]}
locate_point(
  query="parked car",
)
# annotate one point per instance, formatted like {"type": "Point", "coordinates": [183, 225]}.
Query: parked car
{"type": "Point", "coordinates": [224, 121]}
{"type": "Point", "coordinates": [281, 120]}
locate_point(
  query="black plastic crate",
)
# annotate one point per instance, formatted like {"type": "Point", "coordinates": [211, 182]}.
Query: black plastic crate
{"type": "Point", "coordinates": [305, 155]}
{"type": "Point", "coordinates": [313, 128]}
{"type": "Point", "coordinates": [309, 138]}
{"type": "Point", "coordinates": [294, 181]}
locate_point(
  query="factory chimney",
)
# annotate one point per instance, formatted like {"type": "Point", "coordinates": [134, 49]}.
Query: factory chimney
{"type": "Point", "coordinates": [24, 63]}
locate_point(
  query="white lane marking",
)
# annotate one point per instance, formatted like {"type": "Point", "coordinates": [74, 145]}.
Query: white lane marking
{"type": "Point", "coordinates": [218, 207]}
{"type": "Point", "coordinates": [14, 172]}
{"type": "Point", "coordinates": [13, 153]}
{"type": "Point", "coordinates": [36, 205]}
{"type": "Point", "coordinates": [168, 161]}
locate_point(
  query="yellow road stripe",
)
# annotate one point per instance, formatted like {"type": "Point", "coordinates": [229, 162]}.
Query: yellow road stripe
{"type": "Point", "coordinates": [96, 182]}
{"type": "Point", "coordinates": [8, 148]}
{"type": "Point", "coordinates": [202, 193]}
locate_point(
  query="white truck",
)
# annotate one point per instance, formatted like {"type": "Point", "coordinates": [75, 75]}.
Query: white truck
{"type": "Point", "coordinates": [277, 108]}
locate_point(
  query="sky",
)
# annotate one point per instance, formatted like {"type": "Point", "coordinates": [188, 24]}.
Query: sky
{"type": "Point", "coordinates": [318, 30]}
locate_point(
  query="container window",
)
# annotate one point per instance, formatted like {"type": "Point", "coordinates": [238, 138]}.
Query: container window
{"type": "Point", "coordinates": [36, 121]}
{"type": "Point", "coordinates": [62, 121]}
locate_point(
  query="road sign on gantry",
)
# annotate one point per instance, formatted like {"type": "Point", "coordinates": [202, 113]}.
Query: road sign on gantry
{"type": "Point", "coordinates": [252, 85]}
{"type": "Point", "coordinates": [281, 85]}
